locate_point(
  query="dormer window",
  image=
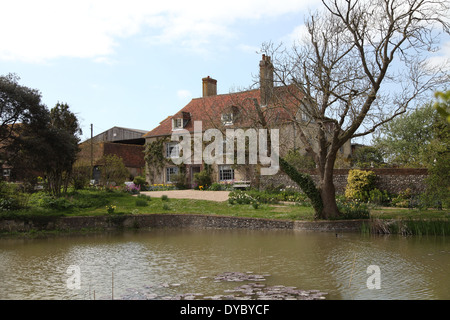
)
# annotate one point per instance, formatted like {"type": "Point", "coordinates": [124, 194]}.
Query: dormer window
{"type": "Point", "coordinates": [227, 118]}
{"type": "Point", "coordinates": [177, 123]}
{"type": "Point", "coordinates": [180, 121]}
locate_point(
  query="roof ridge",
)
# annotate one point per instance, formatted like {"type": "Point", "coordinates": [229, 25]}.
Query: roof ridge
{"type": "Point", "coordinates": [224, 94]}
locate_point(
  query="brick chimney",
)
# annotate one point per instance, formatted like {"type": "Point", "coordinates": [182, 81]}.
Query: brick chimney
{"type": "Point", "coordinates": [265, 79]}
{"type": "Point", "coordinates": [209, 87]}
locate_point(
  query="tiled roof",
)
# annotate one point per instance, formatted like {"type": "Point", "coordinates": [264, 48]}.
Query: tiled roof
{"type": "Point", "coordinates": [209, 109]}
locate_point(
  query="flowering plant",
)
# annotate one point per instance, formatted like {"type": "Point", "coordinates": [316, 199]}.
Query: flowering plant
{"type": "Point", "coordinates": [133, 188]}
{"type": "Point", "coordinates": [110, 208]}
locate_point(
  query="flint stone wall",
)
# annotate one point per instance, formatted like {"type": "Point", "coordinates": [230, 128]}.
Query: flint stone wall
{"type": "Point", "coordinates": [391, 180]}
{"type": "Point", "coordinates": [149, 221]}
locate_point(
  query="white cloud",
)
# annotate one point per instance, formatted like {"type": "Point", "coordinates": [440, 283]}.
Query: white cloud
{"type": "Point", "coordinates": [296, 36]}
{"type": "Point", "coordinates": [248, 48]}
{"type": "Point", "coordinates": [38, 31]}
{"type": "Point", "coordinates": [442, 57]}
{"type": "Point", "coordinates": [184, 94]}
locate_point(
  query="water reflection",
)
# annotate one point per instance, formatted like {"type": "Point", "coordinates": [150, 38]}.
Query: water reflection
{"type": "Point", "coordinates": [168, 262]}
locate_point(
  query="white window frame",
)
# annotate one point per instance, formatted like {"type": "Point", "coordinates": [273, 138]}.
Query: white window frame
{"type": "Point", "coordinates": [169, 172]}
{"type": "Point", "coordinates": [222, 173]}
{"type": "Point", "coordinates": [172, 146]}
{"type": "Point", "coordinates": [6, 172]}
{"type": "Point", "coordinates": [227, 118]}
{"type": "Point", "coordinates": [177, 123]}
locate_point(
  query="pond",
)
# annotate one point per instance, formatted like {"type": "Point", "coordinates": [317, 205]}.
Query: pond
{"type": "Point", "coordinates": [163, 264]}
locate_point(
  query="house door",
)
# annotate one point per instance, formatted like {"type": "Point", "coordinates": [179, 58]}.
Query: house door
{"type": "Point", "coordinates": [194, 170]}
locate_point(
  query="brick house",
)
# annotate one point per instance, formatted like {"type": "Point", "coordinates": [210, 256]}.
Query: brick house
{"type": "Point", "coordinates": [229, 111]}
{"type": "Point", "coordinates": [126, 143]}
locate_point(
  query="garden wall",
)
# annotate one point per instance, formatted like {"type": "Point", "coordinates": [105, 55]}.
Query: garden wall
{"type": "Point", "coordinates": [393, 180]}
{"type": "Point", "coordinates": [149, 221]}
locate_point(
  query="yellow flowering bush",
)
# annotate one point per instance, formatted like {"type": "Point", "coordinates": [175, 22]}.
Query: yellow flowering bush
{"type": "Point", "coordinates": [359, 185]}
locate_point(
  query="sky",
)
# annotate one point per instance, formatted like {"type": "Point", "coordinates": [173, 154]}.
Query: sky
{"type": "Point", "coordinates": [133, 63]}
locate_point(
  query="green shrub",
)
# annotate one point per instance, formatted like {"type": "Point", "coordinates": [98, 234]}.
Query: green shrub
{"type": "Point", "coordinates": [203, 178]}
{"type": "Point", "coordinates": [141, 203]}
{"type": "Point", "coordinates": [61, 203]}
{"type": "Point", "coordinates": [164, 197]}
{"type": "Point", "coordinates": [378, 197]}
{"type": "Point", "coordinates": [403, 199]}
{"type": "Point", "coordinates": [113, 171]}
{"type": "Point", "coordinates": [179, 180]}
{"type": "Point", "coordinates": [271, 188]}
{"type": "Point", "coordinates": [144, 196]}
{"type": "Point", "coordinates": [11, 197]}
{"type": "Point", "coordinates": [353, 209]}
{"type": "Point", "coordinates": [216, 187]}
{"type": "Point", "coordinates": [359, 185]}
{"type": "Point", "coordinates": [78, 199]}
{"type": "Point", "coordinates": [240, 197]}
{"type": "Point", "coordinates": [140, 181]}
{"type": "Point", "coordinates": [7, 204]}
{"type": "Point", "coordinates": [81, 175]}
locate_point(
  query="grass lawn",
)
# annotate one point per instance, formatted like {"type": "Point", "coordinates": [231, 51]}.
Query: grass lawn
{"type": "Point", "coordinates": [405, 213]}
{"type": "Point", "coordinates": [91, 203]}
{"type": "Point", "coordinates": [127, 205]}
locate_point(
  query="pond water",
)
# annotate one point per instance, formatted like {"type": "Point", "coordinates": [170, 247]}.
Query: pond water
{"type": "Point", "coordinates": [163, 263]}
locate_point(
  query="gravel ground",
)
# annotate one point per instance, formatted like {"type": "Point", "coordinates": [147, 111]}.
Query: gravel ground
{"type": "Point", "coordinates": [191, 194]}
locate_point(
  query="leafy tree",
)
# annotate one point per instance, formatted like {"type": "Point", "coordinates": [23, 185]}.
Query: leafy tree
{"type": "Point", "coordinates": [25, 142]}
{"type": "Point", "coordinates": [63, 139]}
{"type": "Point", "coordinates": [361, 64]}
{"type": "Point", "coordinates": [438, 180]}
{"type": "Point", "coordinates": [81, 174]}
{"type": "Point", "coordinates": [367, 157]}
{"type": "Point", "coordinates": [407, 140]}
{"type": "Point", "coordinates": [421, 139]}
{"type": "Point", "coordinates": [16, 103]}
{"type": "Point", "coordinates": [37, 141]}
{"type": "Point", "coordinates": [113, 171]}
{"type": "Point", "coordinates": [443, 106]}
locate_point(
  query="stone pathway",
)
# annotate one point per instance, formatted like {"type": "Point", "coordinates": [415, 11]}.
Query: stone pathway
{"type": "Point", "coordinates": [190, 194]}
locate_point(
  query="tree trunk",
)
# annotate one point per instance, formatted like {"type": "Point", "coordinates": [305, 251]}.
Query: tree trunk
{"type": "Point", "coordinates": [328, 195]}
{"type": "Point", "coordinates": [327, 189]}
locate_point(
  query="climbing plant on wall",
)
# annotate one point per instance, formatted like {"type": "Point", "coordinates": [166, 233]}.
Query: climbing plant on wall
{"type": "Point", "coordinates": [154, 156]}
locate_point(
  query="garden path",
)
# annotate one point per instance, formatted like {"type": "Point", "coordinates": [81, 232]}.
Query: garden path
{"type": "Point", "coordinates": [191, 194]}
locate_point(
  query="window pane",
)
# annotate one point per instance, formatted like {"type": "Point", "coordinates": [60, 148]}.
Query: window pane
{"type": "Point", "coordinates": [172, 150]}
{"type": "Point", "coordinates": [170, 172]}
{"type": "Point", "coordinates": [226, 173]}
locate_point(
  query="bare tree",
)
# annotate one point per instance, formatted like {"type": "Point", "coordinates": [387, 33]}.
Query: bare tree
{"type": "Point", "coordinates": [361, 64]}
